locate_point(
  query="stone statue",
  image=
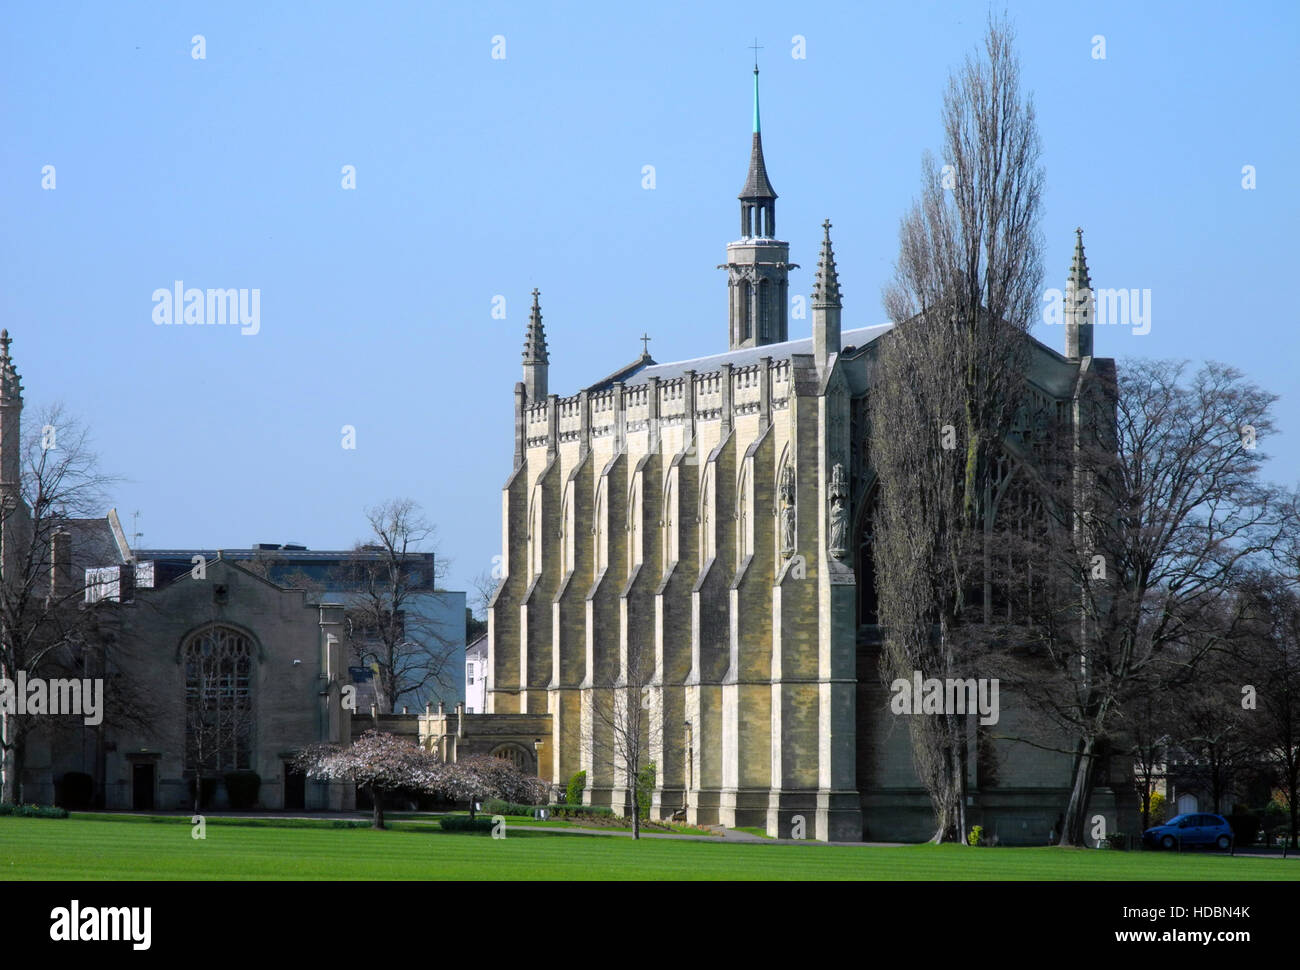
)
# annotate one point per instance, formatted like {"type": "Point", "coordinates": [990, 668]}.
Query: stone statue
{"type": "Point", "coordinates": [787, 512]}
{"type": "Point", "coordinates": [839, 502]}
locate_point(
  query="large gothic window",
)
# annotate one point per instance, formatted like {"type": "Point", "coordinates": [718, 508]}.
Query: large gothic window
{"type": "Point", "coordinates": [218, 700]}
{"type": "Point", "coordinates": [764, 311]}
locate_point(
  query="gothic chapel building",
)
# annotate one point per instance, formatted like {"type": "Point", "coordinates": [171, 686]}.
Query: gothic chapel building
{"type": "Point", "coordinates": [698, 531]}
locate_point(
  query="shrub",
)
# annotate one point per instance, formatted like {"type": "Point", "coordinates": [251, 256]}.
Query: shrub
{"type": "Point", "coordinates": [241, 787]}
{"type": "Point", "coordinates": [1117, 840]}
{"type": "Point", "coordinates": [463, 823]}
{"type": "Point", "coordinates": [579, 811]}
{"type": "Point", "coordinates": [496, 806]}
{"type": "Point", "coordinates": [645, 787]}
{"type": "Point", "coordinates": [76, 790]}
{"type": "Point", "coordinates": [1245, 828]}
{"type": "Point", "coordinates": [32, 811]}
{"type": "Point", "coordinates": [1158, 808]}
{"type": "Point", "coordinates": [976, 836]}
{"type": "Point", "coordinates": [577, 784]}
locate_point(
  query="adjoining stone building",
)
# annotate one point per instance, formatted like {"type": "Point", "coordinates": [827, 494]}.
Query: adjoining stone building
{"type": "Point", "coordinates": [232, 659]}
{"type": "Point", "coordinates": [712, 515]}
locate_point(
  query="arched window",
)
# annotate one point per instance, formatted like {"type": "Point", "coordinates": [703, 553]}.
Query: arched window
{"type": "Point", "coordinates": [746, 324]}
{"type": "Point", "coordinates": [218, 699]}
{"type": "Point", "coordinates": [514, 754]}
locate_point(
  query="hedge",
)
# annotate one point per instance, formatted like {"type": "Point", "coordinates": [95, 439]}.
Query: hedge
{"type": "Point", "coordinates": [463, 823]}
{"type": "Point", "coordinates": [32, 811]}
{"type": "Point", "coordinates": [1245, 828]}
{"type": "Point", "coordinates": [578, 811]}
{"type": "Point", "coordinates": [241, 789]}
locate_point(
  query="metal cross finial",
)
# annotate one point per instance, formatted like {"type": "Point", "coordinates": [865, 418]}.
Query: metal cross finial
{"type": "Point", "coordinates": [536, 293]}
{"type": "Point", "coordinates": [645, 343]}
{"type": "Point", "coordinates": [827, 226]}
{"type": "Point", "coordinates": [755, 48]}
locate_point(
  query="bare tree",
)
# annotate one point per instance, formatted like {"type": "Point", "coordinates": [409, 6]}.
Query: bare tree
{"type": "Point", "coordinates": [391, 629]}
{"type": "Point", "coordinates": [43, 628]}
{"type": "Point", "coordinates": [1212, 729]}
{"type": "Point", "coordinates": [1148, 524]}
{"type": "Point", "coordinates": [626, 718]}
{"type": "Point", "coordinates": [945, 390]}
{"type": "Point", "coordinates": [485, 587]}
{"type": "Point", "coordinates": [1148, 724]}
{"type": "Point", "coordinates": [1269, 669]}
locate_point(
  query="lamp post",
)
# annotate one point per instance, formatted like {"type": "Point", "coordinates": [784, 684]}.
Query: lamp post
{"type": "Point", "coordinates": [537, 760]}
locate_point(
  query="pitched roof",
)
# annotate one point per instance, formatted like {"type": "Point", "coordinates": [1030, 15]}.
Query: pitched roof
{"type": "Point", "coordinates": [750, 355]}
{"type": "Point", "coordinates": [93, 543]}
{"type": "Point", "coordinates": [622, 374]}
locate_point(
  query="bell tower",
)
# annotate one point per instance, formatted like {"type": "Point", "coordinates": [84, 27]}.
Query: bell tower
{"type": "Point", "coordinates": [758, 264]}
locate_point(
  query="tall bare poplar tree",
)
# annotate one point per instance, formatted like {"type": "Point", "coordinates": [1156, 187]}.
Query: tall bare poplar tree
{"type": "Point", "coordinates": [946, 387]}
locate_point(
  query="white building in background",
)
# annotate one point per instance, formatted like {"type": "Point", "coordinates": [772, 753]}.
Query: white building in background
{"type": "Point", "coordinates": [476, 676]}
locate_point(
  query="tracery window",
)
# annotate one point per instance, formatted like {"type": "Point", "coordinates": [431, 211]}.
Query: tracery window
{"type": "Point", "coordinates": [218, 700]}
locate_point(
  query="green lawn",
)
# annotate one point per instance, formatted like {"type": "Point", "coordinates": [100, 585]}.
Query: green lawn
{"type": "Point", "coordinates": [88, 848]}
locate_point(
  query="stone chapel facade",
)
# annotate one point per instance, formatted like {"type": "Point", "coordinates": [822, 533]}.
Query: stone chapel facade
{"type": "Point", "coordinates": [698, 532]}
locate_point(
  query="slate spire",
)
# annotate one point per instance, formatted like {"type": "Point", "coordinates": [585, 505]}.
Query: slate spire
{"type": "Point", "coordinates": [757, 198]}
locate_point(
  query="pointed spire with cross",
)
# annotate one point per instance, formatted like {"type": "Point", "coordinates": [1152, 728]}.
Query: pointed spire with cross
{"type": "Point", "coordinates": [1079, 303]}
{"type": "Point", "coordinates": [826, 287]}
{"type": "Point", "coordinates": [536, 358]}
{"type": "Point", "coordinates": [757, 198]}
{"type": "Point", "coordinates": [535, 337]}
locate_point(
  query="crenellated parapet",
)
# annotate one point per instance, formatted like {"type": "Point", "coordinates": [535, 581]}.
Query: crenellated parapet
{"type": "Point", "coordinates": [721, 395]}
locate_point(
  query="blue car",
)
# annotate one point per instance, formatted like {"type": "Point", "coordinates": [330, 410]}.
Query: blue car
{"type": "Point", "coordinates": [1188, 830]}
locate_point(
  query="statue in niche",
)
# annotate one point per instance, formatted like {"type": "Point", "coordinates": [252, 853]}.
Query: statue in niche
{"type": "Point", "coordinates": [839, 502]}
{"type": "Point", "coordinates": [787, 512]}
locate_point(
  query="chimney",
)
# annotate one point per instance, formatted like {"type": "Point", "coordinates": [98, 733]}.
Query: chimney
{"type": "Point", "coordinates": [61, 564]}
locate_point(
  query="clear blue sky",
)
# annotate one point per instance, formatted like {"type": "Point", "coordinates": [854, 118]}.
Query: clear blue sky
{"type": "Point", "coordinates": [478, 177]}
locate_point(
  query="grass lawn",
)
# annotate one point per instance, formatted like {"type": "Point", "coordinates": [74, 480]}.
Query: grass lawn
{"type": "Point", "coordinates": [89, 848]}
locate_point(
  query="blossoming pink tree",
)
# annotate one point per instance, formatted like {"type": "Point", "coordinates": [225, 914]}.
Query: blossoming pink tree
{"type": "Point", "coordinates": [481, 776]}
{"type": "Point", "coordinates": [378, 762]}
